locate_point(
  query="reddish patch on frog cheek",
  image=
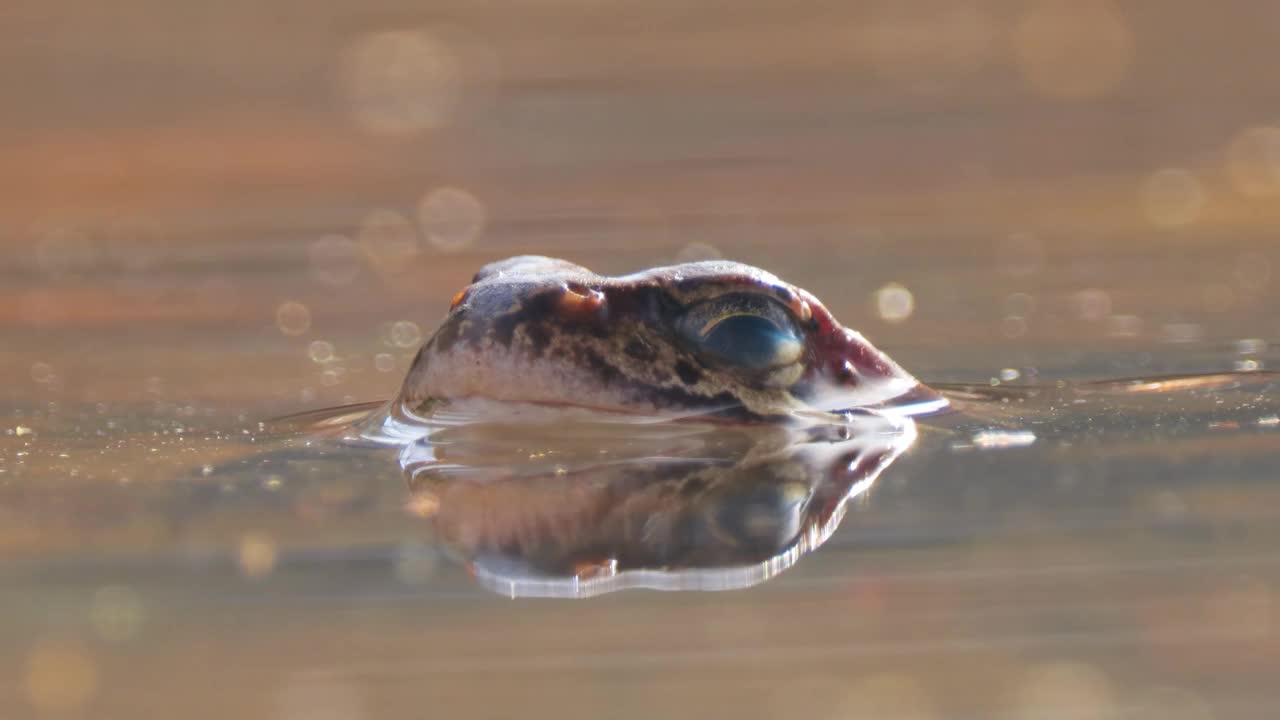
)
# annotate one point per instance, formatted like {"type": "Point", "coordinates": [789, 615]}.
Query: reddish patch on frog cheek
{"type": "Point", "coordinates": [840, 354]}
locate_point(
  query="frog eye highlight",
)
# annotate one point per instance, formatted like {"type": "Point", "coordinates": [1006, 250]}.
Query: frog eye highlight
{"type": "Point", "coordinates": [748, 332]}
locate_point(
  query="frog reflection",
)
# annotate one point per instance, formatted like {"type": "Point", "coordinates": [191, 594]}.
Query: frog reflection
{"type": "Point", "coordinates": [578, 511]}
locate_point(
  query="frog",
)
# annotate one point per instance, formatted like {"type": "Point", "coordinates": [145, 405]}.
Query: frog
{"type": "Point", "coordinates": [715, 340]}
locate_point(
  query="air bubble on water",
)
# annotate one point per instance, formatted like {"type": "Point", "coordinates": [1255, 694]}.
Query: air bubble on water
{"type": "Point", "coordinates": [1009, 374]}
{"type": "Point", "coordinates": [451, 218]}
{"type": "Point", "coordinates": [384, 362]}
{"type": "Point", "coordinates": [293, 317]}
{"type": "Point", "coordinates": [1248, 365]}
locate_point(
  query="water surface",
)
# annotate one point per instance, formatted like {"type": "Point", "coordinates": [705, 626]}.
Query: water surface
{"type": "Point", "coordinates": [198, 239]}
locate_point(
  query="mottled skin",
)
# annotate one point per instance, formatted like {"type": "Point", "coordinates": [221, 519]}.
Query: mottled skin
{"type": "Point", "coordinates": [545, 331]}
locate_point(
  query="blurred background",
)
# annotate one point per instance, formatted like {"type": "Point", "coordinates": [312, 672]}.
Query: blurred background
{"type": "Point", "coordinates": [216, 213]}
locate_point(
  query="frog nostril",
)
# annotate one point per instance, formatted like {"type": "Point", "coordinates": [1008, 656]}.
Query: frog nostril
{"type": "Point", "coordinates": [846, 373]}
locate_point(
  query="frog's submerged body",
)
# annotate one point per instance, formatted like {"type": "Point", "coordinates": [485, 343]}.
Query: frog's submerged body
{"type": "Point", "coordinates": [710, 339]}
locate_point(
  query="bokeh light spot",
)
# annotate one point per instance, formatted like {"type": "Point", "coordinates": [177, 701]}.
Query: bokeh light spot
{"type": "Point", "coordinates": [41, 372]}
{"type": "Point", "coordinates": [1172, 197]}
{"type": "Point", "coordinates": [451, 218]}
{"type": "Point", "coordinates": [320, 351]}
{"type": "Point", "coordinates": [1073, 49]}
{"type": "Point", "coordinates": [1124, 326]}
{"type": "Point", "coordinates": [400, 82]}
{"type": "Point", "coordinates": [1062, 691]}
{"type": "Point", "coordinates": [334, 260]}
{"type": "Point", "coordinates": [405, 334]}
{"type": "Point", "coordinates": [389, 240]}
{"type": "Point", "coordinates": [61, 677]}
{"type": "Point", "coordinates": [894, 303]}
{"type": "Point", "coordinates": [696, 251]}
{"type": "Point", "coordinates": [1013, 326]}
{"type": "Point", "coordinates": [293, 318]}
{"type": "Point", "coordinates": [887, 695]}
{"type": "Point", "coordinates": [116, 612]}
{"type": "Point", "coordinates": [1253, 161]}
{"type": "Point", "coordinates": [1092, 304]}
{"type": "Point", "coordinates": [256, 555]}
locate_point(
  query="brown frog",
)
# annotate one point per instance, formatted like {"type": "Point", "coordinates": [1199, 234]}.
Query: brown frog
{"type": "Point", "coordinates": [712, 339]}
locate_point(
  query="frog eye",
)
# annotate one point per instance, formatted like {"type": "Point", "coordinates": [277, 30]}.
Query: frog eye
{"type": "Point", "coordinates": [749, 332]}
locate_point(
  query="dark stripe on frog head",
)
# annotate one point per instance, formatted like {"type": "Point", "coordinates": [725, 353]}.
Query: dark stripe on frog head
{"type": "Point", "coordinates": [531, 311]}
{"type": "Point", "coordinates": [724, 404]}
{"type": "Point", "coordinates": [640, 349]}
{"type": "Point", "coordinates": [689, 375]}
{"type": "Point", "coordinates": [447, 335]}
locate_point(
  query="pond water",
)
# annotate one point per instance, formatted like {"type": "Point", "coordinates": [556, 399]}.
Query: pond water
{"type": "Point", "coordinates": [1058, 214]}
